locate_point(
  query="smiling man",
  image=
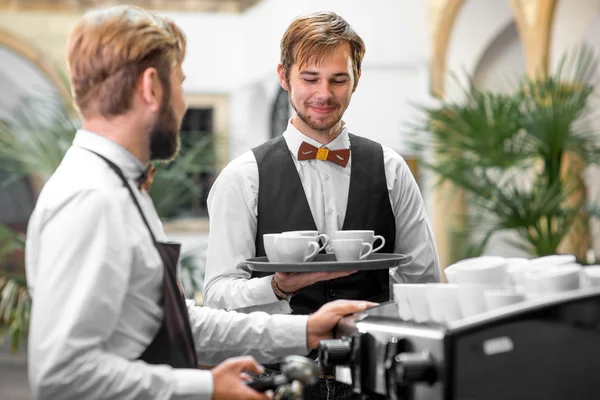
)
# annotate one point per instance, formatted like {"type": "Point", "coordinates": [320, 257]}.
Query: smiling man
{"type": "Point", "coordinates": [316, 176]}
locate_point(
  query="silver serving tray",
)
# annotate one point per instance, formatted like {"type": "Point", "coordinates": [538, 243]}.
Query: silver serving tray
{"type": "Point", "coordinates": [328, 263]}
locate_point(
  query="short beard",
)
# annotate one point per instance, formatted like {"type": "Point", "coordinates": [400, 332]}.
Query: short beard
{"type": "Point", "coordinates": [311, 124]}
{"type": "Point", "coordinates": [164, 136]}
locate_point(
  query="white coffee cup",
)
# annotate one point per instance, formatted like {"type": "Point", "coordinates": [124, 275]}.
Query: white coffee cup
{"type": "Point", "coordinates": [501, 298]}
{"type": "Point", "coordinates": [351, 249]}
{"type": "Point", "coordinates": [450, 273]}
{"type": "Point", "coordinates": [484, 270]}
{"type": "Point", "coordinates": [552, 279]}
{"type": "Point", "coordinates": [296, 248]}
{"type": "Point", "coordinates": [417, 299]}
{"type": "Point", "coordinates": [554, 259]}
{"type": "Point", "coordinates": [443, 302]}
{"type": "Point", "coordinates": [313, 234]}
{"type": "Point", "coordinates": [270, 249]}
{"type": "Point", "coordinates": [401, 300]}
{"type": "Point", "coordinates": [365, 236]}
{"type": "Point", "coordinates": [591, 274]}
{"type": "Point", "coordinates": [471, 297]}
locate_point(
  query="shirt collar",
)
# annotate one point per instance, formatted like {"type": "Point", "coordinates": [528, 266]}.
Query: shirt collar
{"type": "Point", "coordinates": [294, 138]}
{"type": "Point", "coordinates": [132, 167]}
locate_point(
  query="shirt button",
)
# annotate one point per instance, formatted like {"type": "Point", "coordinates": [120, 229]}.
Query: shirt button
{"type": "Point", "coordinates": [326, 177]}
{"type": "Point", "coordinates": [332, 293]}
{"type": "Point", "coordinates": [329, 210]}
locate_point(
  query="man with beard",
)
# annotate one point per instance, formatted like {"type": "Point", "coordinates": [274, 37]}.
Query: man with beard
{"type": "Point", "coordinates": [280, 186]}
{"type": "Point", "coordinates": [109, 319]}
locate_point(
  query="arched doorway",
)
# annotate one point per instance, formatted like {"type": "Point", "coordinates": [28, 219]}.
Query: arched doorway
{"type": "Point", "coordinates": [502, 64]}
{"type": "Point", "coordinates": [499, 70]}
{"type": "Point", "coordinates": [23, 75]}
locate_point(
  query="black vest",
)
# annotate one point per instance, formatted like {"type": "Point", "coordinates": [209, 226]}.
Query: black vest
{"type": "Point", "coordinates": [282, 206]}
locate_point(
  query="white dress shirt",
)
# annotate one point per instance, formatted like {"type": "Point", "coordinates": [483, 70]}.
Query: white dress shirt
{"type": "Point", "coordinates": [233, 212]}
{"type": "Point", "coordinates": [95, 277]}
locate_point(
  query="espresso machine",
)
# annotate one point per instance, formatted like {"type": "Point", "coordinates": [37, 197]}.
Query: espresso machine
{"type": "Point", "coordinates": [547, 348]}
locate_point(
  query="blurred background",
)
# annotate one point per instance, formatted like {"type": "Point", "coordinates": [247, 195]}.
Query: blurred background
{"type": "Point", "coordinates": [491, 102]}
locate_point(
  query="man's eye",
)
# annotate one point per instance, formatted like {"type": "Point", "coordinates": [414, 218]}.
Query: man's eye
{"type": "Point", "coordinates": [310, 80]}
{"type": "Point", "coordinates": [340, 82]}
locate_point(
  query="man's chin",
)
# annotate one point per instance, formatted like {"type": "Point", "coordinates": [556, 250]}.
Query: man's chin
{"type": "Point", "coordinates": [323, 126]}
{"type": "Point", "coordinates": [164, 157]}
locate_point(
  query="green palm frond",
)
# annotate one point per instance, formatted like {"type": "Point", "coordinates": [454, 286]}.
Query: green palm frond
{"type": "Point", "coordinates": [36, 139]}
{"type": "Point", "coordinates": [482, 131]}
{"type": "Point", "coordinates": [506, 152]}
{"type": "Point", "coordinates": [15, 308]}
{"type": "Point", "coordinates": [174, 185]}
{"type": "Point", "coordinates": [10, 241]}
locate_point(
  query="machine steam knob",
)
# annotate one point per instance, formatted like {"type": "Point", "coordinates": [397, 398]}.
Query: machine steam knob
{"type": "Point", "coordinates": [334, 352]}
{"type": "Point", "coordinates": [415, 367]}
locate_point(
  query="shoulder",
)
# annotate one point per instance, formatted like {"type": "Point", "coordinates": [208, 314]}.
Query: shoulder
{"type": "Point", "coordinates": [392, 159]}
{"type": "Point", "coordinates": [398, 174]}
{"type": "Point", "coordinates": [82, 185]}
{"type": "Point", "coordinates": [363, 141]}
{"type": "Point", "coordinates": [242, 167]}
{"type": "Point", "coordinates": [276, 141]}
{"type": "Point", "coordinates": [239, 176]}
{"type": "Point", "coordinates": [83, 210]}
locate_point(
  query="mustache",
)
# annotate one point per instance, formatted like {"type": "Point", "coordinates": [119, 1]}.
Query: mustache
{"type": "Point", "coordinates": [322, 104]}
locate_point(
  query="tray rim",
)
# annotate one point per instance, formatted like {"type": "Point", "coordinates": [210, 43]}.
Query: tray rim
{"type": "Point", "coordinates": [255, 263]}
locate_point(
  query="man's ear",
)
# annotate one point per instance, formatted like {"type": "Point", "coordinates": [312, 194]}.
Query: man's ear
{"type": "Point", "coordinates": [150, 89]}
{"type": "Point", "coordinates": [282, 79]}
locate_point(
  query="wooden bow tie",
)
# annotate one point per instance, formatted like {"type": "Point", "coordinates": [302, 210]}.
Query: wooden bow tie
{"type": "Point", "coordinates": [309, 152]}
{"type": "Point", "coordinates": [145, 180]}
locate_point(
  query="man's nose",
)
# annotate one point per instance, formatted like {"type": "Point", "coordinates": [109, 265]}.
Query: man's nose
{"type": "Point", "coordinates": [324, 90]}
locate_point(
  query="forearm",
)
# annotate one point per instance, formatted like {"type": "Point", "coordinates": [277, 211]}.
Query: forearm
{"type": "Point", "coordinates": [220, 334]}
{"type": "Point", "coordinates": [243, 294]}
{"type": "Point", "coordinates": [99, 375]}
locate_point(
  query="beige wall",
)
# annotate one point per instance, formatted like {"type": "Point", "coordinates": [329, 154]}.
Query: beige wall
{"type": "Point", "coordinates": [43, 36]}
{"type": "Point", "coordinates": [46, 32]}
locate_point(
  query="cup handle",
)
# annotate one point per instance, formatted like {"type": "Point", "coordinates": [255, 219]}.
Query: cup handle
{"type": "Point", "coordinates": [314, 251]}
{"type": "Point", "coordinates": [369, 248]}
{"type": "Point", "coordinates": [381, 245]}
{"type": "Point", "coordinates": [325, 240]}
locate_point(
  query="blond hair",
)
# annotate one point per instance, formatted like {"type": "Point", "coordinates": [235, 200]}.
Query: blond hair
{"type": "Point", "coordinates": [312, 37]}
{"type": "Point", "coordinates": [109, 49]}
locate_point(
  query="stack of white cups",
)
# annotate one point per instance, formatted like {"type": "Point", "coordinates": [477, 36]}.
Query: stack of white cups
{"type": "Point", "coordinates": [480, 284]}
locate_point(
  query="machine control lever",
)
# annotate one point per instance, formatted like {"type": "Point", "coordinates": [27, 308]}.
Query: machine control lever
{"type": "Point", "coordinates": [415, 367]}
{"type": "Point", "coordinates": [334, 352]}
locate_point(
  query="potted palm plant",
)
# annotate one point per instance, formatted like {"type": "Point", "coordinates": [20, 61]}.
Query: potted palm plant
{"type": "Point", "coordinates": [507, 152]}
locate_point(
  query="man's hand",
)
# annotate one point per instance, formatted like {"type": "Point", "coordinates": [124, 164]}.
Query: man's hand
{"type": "Point", "coordinates": [320, 324]}
{"type": "Point", "coordinates": [229, 379]}
{"type": "Point", "coordinates": [289, 282]}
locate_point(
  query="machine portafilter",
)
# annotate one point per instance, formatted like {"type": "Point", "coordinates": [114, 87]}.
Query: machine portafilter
{"type": "Point", "coordinates": [297, 372]}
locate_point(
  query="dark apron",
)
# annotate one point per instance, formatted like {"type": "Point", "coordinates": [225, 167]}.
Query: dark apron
{"type": "Point", "coordinates": [173, 344]}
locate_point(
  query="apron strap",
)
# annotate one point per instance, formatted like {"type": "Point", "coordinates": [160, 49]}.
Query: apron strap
{"type": "Point", "coordinates": [118, 171]}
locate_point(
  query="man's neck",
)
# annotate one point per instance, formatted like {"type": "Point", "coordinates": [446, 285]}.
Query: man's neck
{"type": "Point", "coordinates": [324, 137]}
{"type": "Point", "coordinates": [124, 134]}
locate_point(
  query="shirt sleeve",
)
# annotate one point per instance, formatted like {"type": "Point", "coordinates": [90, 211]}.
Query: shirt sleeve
{"type": "Point", "coordinates": [80, 257]}
{"type": "Point", "coordinates": [232, 209]}
{"type": "Point", "coordinates": [220, 334]}
{"type": "Point", "coordinates": [414, 236]}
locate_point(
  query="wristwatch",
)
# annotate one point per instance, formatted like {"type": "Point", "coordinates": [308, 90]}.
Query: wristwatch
{"type": "Point", "coordinates": [280, 294]}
